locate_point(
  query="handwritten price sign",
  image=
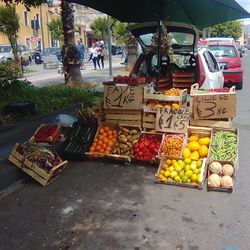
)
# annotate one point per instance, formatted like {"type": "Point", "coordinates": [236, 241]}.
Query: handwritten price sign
{"type": "Point", "coordinates": [172, 120]}
{"type": "Point", "coordinates": [123, 97]}
{"type": "Point", "coordinates": [214, 106]}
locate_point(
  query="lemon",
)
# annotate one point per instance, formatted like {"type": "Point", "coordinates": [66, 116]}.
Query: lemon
{"type": "Point", "coordinates": [198, 177]}
{"type": "Point", "coordinates": [186, 153]}
{"type": "Point", "coordinates": [196, 171]}
{"type": "Point", "coordinates": [193, 166]}
{"type": "Point", "coordinates": [181, 163]}
{"type": "Point", "coordinates": [176, 164]}
{"type": "Point", "coordinates": [194, 146]}
{"type": "Point", "coordinates": [184, 179]}
{"type": "Point", "coordinates": [199, 163]}
{"type": "Point", "coordinates": [177, 179]}
{"type": "Point", "coordinates": [173, 174]}
{"type": "Point", "coordinates": [166, 173]}
{"type": "Point", "coordinates": [182, 173]}
{"type": "Point", "coordinates": [204, 141]}
{"type": "Point", "coordinates": [193, 138]}
{"type": "Point", "coordinates": [189, 180]}
{"type": "Point", "coordinates": [187, 161]}
{"type": "Point", "coordinates": [170, 179]}
{"type": "Point", "coordinates": [187, 167]}
{"type": "Point", "coordinates": [195, 155]}
{"type": "Point", "coordinates": [168, 169]}
{"type": "Point", "coordinates": [194, 177]}
{"type": "Point", "coordinates": [171, 169]}
{"type": "Point", "coordinates": [173, 161]}
{"type": "Point", "coordinates": [162, 172]}
{"type": "Point", "coordinates": [168, 161]}
{"type": "Point", "coordinates": [178, 168]}
{"type": "Point", "coordinates": [189, 173]}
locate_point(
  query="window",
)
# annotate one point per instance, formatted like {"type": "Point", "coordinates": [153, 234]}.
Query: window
{"type": "Point", "coordinates": [26, 22]}
{"type": "Point", "coordinates": [37, 21]}
{"type": "Point", "coordinates": [223, 51]}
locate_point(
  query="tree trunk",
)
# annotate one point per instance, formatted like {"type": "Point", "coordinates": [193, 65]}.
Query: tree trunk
{"type": "Point", "coordinates": [71, 57]}
{"type": "Point", "coordinates": [132, 51]}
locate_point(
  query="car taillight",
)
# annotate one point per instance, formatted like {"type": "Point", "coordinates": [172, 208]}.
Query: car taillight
{"type": "Point", "coordinates": [201, 72]}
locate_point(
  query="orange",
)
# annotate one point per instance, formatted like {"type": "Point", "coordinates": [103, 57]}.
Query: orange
{"type": "Point", "coordinates": [105, 140]}
{"type": "Point", "coordinates": [95, 140]}
{"type": "Point", "coordinates": [104, 145]}
{"type": "Point", "coordinates": [99, 143]}
{"type": "Point", "coordinates": [108, 149]}
{"type": "Point", "coordinates": [101, 131]}
{"type": "Point", "coordinates": [114, 132]}
{"type": "Point", "coordinates": [98, 148]}
{"type": "Point", "coordinates": [101, 150]}
{"type": "Point", "coordinates": [101, 137]}
{"type": "Point", "coordinates": [106, 152]}
{"type": "Point", "coordinates": [110, 143]}
{"type": "Point", "coordinates": [94, 144]}
{"type": "Point", "coordinates": [106, 129]}
{"type": "Point", "coordinates": [111, 137]}
{"type": "Point", "coordinates": [92, 149]}
{"type": "Point", "coordinates": [110, 132]}
{"type": "Point", "coordinates": [104, 134]}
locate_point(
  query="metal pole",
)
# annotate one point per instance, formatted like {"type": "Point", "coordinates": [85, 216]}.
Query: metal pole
{"type": "Point", "coordinates": [41, 19]}
{"type": "Point", "coordinates": [158, 53]}
{"type": "Point", "coordinates": [109, 46]}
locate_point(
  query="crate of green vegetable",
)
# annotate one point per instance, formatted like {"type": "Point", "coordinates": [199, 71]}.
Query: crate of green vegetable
{"type": "Point", "coordinates": [225, 144]}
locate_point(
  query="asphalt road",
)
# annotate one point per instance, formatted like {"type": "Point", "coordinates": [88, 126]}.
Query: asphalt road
{"type": "Point", "coordinates": [98, 205]}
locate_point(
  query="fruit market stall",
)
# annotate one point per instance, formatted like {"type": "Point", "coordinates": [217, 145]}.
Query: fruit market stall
{"type": "Point", "coordinates": [137, 125]}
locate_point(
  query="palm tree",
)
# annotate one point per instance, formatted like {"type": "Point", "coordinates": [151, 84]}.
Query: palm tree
{"type": "Point", "coordinates": [56, 30]}
{"type": "Point", "coordinates": [71, 57]}
{"type": "Point", "coordinates": [9, 26]}
{"type": "Point", "coordinates": [99, 28]}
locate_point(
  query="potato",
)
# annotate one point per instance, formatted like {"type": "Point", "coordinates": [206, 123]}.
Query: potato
{"type": "Point", "coordinates": [129, 144]}
{"type": "Point", "coordinates": [133, 132]}
{"type": "Point", "coordinates": [125, 130]}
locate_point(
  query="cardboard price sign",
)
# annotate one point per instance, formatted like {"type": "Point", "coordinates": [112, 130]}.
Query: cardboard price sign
{"type": "Point", "coordinates": [122, 97]}
{"type": "Point", "coordinates": [172, 120]}
{"type": "Point", "coordinates": [214, 106]}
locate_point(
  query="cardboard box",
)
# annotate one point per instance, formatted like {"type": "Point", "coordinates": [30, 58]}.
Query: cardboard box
{"type": "Point", "coordinates": [123, 96]}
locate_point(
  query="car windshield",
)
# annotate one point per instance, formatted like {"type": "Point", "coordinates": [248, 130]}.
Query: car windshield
{"type": "Point", "coordinates": [5, 49]}
{"type": "Point", "coordinates": [51, 50]}
{"type": "Point", "coordinates": [179, 38]}
{"type": "Point", "coordinates": [223, 51]}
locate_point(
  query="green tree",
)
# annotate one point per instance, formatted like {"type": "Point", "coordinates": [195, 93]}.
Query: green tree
{"type": "Point", "coordinates": [120, 32]}
{"type": "Point", "coordinates": [9, 26]}
{"type": "Point", "coordinates": [227, 29]}
{"type": "Point", "coordinates": [99, 28]}
{"type": "Point", "coordinates": [56, 30]}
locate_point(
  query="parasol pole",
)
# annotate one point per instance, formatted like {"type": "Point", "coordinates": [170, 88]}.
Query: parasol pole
{"type": "Point", "coordinates": [159, 45]}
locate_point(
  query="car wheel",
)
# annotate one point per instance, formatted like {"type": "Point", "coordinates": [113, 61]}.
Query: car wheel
{"type": "Point", "coordinates": [239, 85]}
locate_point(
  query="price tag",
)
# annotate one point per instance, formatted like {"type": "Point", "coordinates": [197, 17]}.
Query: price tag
{"type": "Point", "coordinates": [214, 106]}
{"type": "Point", "coordinates": [172, 120]}
{"type": "Point", "coordinates": [123, 97]}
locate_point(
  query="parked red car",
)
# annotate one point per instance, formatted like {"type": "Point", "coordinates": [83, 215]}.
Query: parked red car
{"type": "Point", "coordinates": [228, 56]}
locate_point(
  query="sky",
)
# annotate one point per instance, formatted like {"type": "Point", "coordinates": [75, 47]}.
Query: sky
{"type": "Point", "coordinates": [246, 5]}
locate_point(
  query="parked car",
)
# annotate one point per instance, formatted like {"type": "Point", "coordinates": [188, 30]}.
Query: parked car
{"type": "Point", "coordinates": [52, 52]}
{"type": "Point", "coordinates": [7, 54]}
{"type": "Point", "coordinates": [220, 39]}
{"type": "Point", "coordinates": [190, 65]}
{"type": "Point", "coordinates": [116, 50]}
{"type": "Point", "coordinates": [228, 56]}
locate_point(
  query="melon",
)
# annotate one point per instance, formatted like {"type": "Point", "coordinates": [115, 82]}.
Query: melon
{"type": "Point", "coordinates": [215, 167]}
{"type": "Point", "coordinates": [228, 169]}
{"type": "Point", "coordinates": [214, 180]}
{"type": "Point", "coordinates": [226, 181]}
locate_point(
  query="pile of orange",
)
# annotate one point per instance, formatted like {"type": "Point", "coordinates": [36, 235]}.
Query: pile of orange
{"type": "Point", "coordinates": [104, 141]}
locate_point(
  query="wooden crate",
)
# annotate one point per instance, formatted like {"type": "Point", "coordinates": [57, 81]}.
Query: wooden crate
{"type": "Point", "coordinates": [220, 123]}
{"type": "Point", "coordinates": [209, 105]}
{"type": "Point", "coordinates": [123, 158]}
{"type": "Point", "coordinates": [180, 184]}
{"type": "Point", "coordinates": [130, 117]}
{"type": "Point", "coordinates": [33, 170]}
{"type": "Point", "coordinates": [223, 189]}
{"type": "Point", "coordinates": [97, 155]}
{"type": "Point", "coordinates": [148, 122]}
{"type": "Point", "coordinates": [181, 99]}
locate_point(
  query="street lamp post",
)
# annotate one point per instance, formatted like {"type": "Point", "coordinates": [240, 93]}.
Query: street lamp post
{"type": "Point", "coordinates": [109, 46]}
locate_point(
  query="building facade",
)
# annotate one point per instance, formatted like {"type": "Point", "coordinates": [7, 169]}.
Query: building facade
{"type": "Point", "coordinates": [33, 30]}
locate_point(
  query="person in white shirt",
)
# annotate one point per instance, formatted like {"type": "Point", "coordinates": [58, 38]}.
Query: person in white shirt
{"type": "Point", "coordinates": [93, 55]}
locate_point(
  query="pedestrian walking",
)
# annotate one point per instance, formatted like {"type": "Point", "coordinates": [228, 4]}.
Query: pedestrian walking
{"type": "Point", "coordinates": [81, 50]}
{"type": "Point", "coordinates": [99, 53]}
{"type": "Point", "coordinates": [93, 56]}
{"type": "Point", "coordinates": [103, 53]}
